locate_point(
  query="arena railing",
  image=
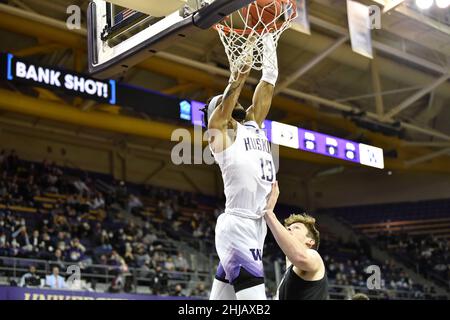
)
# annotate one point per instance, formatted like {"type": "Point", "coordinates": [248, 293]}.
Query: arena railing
{"type": "Point", "coordinates": [14, 268]}
{"type": "Point", "coordinates": [97, 276]}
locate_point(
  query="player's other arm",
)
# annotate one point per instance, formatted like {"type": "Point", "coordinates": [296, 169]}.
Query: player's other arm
{"type": "Point", "coordinates": [262, 98]}
{"type": "Point", "coordinates": [219, 140]}
{"type": "Point", "coordinates": [298, 253]}
{"type": "Point", "coordinates": [222, 114]}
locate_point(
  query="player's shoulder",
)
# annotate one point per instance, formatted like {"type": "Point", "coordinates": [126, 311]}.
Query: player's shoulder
{"type": "Point", "coordinates": [251, 124]}
{"type": "Point", "coordinates": [315, 264]}
{"type": "Point", "coordinates": [317, 255]}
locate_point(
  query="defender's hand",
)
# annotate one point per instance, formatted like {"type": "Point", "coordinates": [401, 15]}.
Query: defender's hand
{"type": "Point", "coordinates": [272, 197]}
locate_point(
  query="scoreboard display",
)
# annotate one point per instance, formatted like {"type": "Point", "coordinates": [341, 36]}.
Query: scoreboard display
{"type": "Point", "coordinates": [302, 139]}
{"type": "Point", "coordinates": [17, 70]}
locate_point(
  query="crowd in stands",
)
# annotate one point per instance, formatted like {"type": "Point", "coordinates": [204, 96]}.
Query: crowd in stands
{"type": "Point", "coordinates": [427, 254]}
{"type": "Point", "coordinates": [86, 226]}
{"type": "Point", "coordinates": [66, 233]}
{"type": "Point", "coordinates": [347, 265]}
{"type": "Point", "coordinates": [415, 233]}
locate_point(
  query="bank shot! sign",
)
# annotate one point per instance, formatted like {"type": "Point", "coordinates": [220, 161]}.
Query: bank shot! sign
{"type": "Point", "coordinates": [19, 70]}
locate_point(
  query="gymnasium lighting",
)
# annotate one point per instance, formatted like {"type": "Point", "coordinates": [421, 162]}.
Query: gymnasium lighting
{"type": "Point", "coordinates": [442, 4]}
{"type": "Point", "coordinates": [424, 4]}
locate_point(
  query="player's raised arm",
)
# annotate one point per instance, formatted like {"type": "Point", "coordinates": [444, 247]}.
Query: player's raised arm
{"type": "Point", "coordinates": [298, 253]}
{"type": "Point", "coordinates": [262, 98]}
{"type": "Point", "coordinates": [227, 102]}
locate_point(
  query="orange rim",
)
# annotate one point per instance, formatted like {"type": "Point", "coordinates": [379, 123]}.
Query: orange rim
{"type": "Point", "coordinates": [227, 29]}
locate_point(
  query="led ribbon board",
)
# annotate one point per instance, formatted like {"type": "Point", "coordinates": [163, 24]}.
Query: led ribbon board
{"type": "Point", "coordinates": [305, 140]}
{"type": "Point", "coordinates": [22, 71]}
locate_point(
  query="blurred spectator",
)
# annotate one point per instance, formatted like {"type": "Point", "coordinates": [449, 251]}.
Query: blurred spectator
{"type": "Point", "coordinates": [98, 202]}
{"type": "Point", "coordinates": [55, 281]}
{"type": "Point", "coordinates": [181, 263]}
{"type": "Point", "coordinates": [30, 279]}
{"type": "Point", "coordinates": [75, 253]}
{"type": "Point", "coordinates": [118, 282]}
{"type": "Point", "coordinates": [57, 259]}
{"type": "Point", "coordinates": [81, 187]}
{"type": "Point", "coordinates": [129, 258]}
{"type": "Point", "coordinates": [134, 204]}
{"type": "Point", "coordinates": [21, 238]}
{"type": "Point", "coordinates": [360, 296]}
{"type": "Point", "coordinates": [35, 243]}
{"type": "Point", "coordinates": [122, 194]}
{"type": "Point", "coordinates": [4, 246]}
{"type": "Point", "coordinates": [178, 291]}
{"type": "Point", "coordinates": [200, 291]}
{"type": "Point", "coordinates": [158, 282]}
{"type": "Point", "coordinates": [117, 262]}
{"type": "Point", "coordinates": [167, 210]}
{"type": "Point", "coordinates": [169, 265]}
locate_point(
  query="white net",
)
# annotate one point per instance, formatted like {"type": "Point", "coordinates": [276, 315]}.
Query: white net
{"type": "Point", "coordinates": [243, 33]}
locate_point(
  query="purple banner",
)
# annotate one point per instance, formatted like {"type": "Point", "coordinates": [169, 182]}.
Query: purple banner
{"type": "Point", "coordinates": [267, 127]}
{"type": "Point", "coordinates": [17, 293]}
{"type": "Point", "coordinates": [328, 145]}
{"type": "Point", "coordinates": [197, 115]}
{"type": "Point", "coordinates": [311, 141]}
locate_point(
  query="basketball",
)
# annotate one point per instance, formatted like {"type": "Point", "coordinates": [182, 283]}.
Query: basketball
{"type": "Point", "coordinates": [263, 12]}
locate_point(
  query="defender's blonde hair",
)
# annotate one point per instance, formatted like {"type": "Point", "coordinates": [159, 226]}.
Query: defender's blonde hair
{"type": "Point", "coordinates": [310, 224]}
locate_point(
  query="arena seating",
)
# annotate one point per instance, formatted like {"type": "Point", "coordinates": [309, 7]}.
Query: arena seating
{"type": "Point", "coordinates": [418, 233]}
{"type": "Point", "coordinates": [415, 218]}
{"type": "Point", "coordinates": [63, 205]}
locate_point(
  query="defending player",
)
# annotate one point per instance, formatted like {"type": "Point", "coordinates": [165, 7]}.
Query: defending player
{"type": "Point", "coordinates": [305, 277]}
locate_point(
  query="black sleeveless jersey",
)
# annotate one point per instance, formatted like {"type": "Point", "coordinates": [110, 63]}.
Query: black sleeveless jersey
{"type": "Point", "coordinates": [293, 287]}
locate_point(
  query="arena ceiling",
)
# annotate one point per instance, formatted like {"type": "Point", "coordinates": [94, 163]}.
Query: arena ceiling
{"type": "Point", "coordinates": [323, 85]}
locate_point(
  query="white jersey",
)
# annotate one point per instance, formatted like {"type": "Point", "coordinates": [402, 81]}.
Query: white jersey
{"type": "Point", "coordinates": [248, 171]}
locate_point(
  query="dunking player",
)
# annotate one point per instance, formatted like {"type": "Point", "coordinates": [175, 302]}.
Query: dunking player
{"type": "Point", "coordinates": [305, 277]}
{"type": "Point", "coordinates": [243, 154]}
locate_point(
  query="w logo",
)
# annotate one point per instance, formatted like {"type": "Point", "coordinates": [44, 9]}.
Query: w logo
{"type": "Point", "coordinates": [256, 254]}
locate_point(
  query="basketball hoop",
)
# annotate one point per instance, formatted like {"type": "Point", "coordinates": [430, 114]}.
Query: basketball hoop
{"type": "Point", "coordinates": [242, 32]}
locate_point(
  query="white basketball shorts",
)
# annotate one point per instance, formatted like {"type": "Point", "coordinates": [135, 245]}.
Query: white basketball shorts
{"type": "Point", "coordinates": [239, 243]}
